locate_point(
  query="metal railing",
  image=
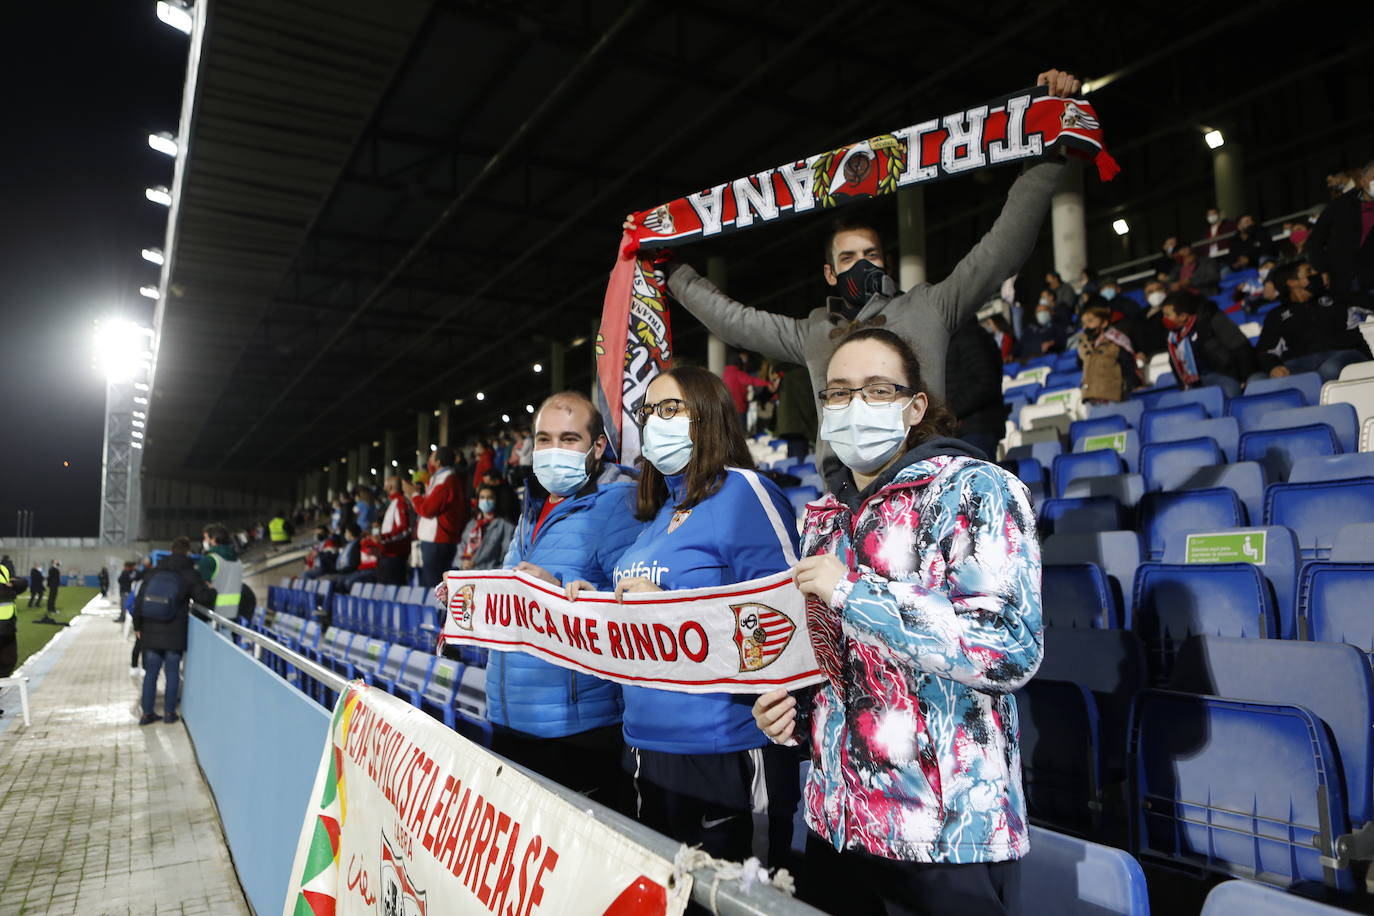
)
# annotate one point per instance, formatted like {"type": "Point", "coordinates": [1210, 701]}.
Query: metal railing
{"type": "Point", "coordinates": [718, 894]}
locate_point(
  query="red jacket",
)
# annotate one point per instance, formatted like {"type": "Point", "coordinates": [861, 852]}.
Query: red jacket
{"type": "Point", "coordinates": [738, 382]}
{"type": "Point", "coordinates": [443, 509]}
{"type": "Point", "coordinates": [398, 528]}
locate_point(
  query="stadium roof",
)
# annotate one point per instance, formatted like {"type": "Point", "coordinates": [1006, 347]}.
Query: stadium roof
{"type": "Point", "coordinates": [388, 203]}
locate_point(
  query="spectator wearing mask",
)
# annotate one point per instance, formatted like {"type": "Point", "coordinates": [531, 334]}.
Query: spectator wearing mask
{"type": "Point", "coordinates": [1086, 288]}
{"type": "Point", "coordinates": [1167, 260]}
{"type": "Point", "coordinates": [1065, 302]}
{"type": "Point", "coordinates": [1004, 339]}
{"type": "Point", "coordinates": [1205, 346]}
{"type": "Point", "coordinates": [1310, 331]}
{"type": "Point", "coordinates": [161, 611]}
{"type": "Point", "coordinates": [1218, 225]}
{"type": "Point", "coordinates": [1107, 357]}
{"type": "Point", "coordinates": [507, 503]}
{"type": "Point", "coordinates": [1294, 249]}
{"type": "Point", "coordinates": [350, 553]}
{"type": "Point", "coordinates": [443, 511]}
{"type": "Point", "coordinates": [1251, 245]}
{"type": "Point", "coordinates": [973, 379]}
{"type": "Point", "coordinates": [1192, 272]}
{"type": "Point", "coordinates": [1043, 335]}
{"type": "Point", "coordinates": [487, 536]}
{"type": "Point", "coordinates": [923, 572]}
{"type": "Point", "coordinates": [1338, 183]}
{"type": "Point", "coordinates": [1153, 336]}
{"type": "Point", "coordinates": [1341, 245]}
{"type": "Point", "coordinates": [577, 519]}
{"type": "Point", "coordinates": [394, 537]}
{"type": "Point", "coordinates": [703, 773]}
{"type": "Point", "coordinates": [738, 382]}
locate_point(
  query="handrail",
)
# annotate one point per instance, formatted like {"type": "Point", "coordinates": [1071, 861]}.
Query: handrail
{"type": "Point", "coordinates": [721, 893]}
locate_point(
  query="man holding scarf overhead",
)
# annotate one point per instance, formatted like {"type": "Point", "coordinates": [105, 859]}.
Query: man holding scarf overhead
{"type": "Point", "coordinates": [865, 293]}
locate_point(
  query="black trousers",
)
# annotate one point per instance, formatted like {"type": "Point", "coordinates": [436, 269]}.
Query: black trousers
{"type": "Point", "coordinates": [732, 805]}
{"type": "Point", "coordinates": [35, 597]}
{"type": "Point", "coordinates": [52, 600]}
{"type": "Point", "coordinates": [391, 570]}
{"type": "Point", "coordinates": [588, 762]}
{"type": "Point", "coordinates": [854, 882]}
{"type": "Point", "coordinates": [9, 653]}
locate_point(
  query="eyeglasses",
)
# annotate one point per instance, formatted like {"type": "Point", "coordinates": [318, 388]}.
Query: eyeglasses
{"type": "Point", "coordinates": [873, 393]}
{"type": "Point", "coordinates": [665, 409]}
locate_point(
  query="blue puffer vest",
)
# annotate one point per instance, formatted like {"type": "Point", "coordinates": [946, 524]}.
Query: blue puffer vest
{"type": "Point", "coordinates": [582, 538]}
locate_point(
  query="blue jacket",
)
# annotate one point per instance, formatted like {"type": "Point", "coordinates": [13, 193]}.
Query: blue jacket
{"type": "Point", "coordinates": [746, 530]}
{"type": "Point", "coordinates": [582, 538]}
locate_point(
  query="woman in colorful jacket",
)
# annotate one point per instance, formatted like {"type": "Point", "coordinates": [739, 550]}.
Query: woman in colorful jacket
{"type": "Point", "coordinates": [922, 576]}
{"type": "Point", "coordinates": [704, 774]}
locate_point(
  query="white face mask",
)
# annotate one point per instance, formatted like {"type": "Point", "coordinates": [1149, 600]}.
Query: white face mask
{"type": "Point", "coordinates": [1047, 302]}
{"type": "Point", "coordinates": [1043, 317]}
{"type": "Point", "coordinates": [1156, 299]}
{"type": "Point", "coordinates": [1213, 219]}
{"type": "Point", "coordinates": [1263, 272]}
{"type": "Point", "coordinates": [668, 443]}
{"type": "Point", "coordinates": [865, 436]}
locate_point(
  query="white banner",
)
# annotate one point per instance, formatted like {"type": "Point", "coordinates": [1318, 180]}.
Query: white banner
{"type": "Point", "coordinates": [409, 819]}
{"type": "Point", "coordinates": [745, 638]}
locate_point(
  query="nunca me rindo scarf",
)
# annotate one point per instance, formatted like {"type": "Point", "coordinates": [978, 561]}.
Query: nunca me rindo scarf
{"type": "Point", "coordinates": [635, 340]}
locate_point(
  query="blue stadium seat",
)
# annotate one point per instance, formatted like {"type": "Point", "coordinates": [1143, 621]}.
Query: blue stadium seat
{"type": "Point", "coordinates": [1331, 680]}
{"type": "Point", "coordinates": [1168, 465]}
{"type": "Point", "coordinates": [1308, 384]}
{"type": "Point", "coordinates": [1248, 409]}
{"type": "Point", "coordinates": [1061, 770]}
{"type": "Point", "coordinates": [1131, 410]}
{"type": "Point", "coordinates": [1341, 417]}
{"type": "Point", "coordinates": [1067, 876]}
{"type": "Point", "coordinates": [1354, 543]}
{"type": "Point", "coordinates": [1083, 464]}
{"type": "Point", "coordinates": [1118, 553]}
{"type": "Point", "coordinates": [470, 705]}
{"type": "Point", "coordinates": [1078, 595]}
{"type": "Point", "coordinates": [1149, 397]}
{"type": "Point", "coordinates": [1334, 603]}
{"type": "Point", "coordinates": [1278, 449]}
{"type": "Point", "coordinates": [409, 683]}
{"type": "Point", "coordinates": [1273, 550]}
{"type": "Point", "coordinates": [1126, 489]}
{"type": "Point", "coordinates": [1165, 515]}
{"type": "Point", "coordinates": [1245, 478]}
{"type": "Point", "coordinates": [1125, 443]}
{"type": "Point", "coordinates": [1096, 426]}
{"type": "Point", "coordinates": [1332, 467]}
{"type": "Point", "coordinates": [1027, 470]}
{"type": "Point", "coordinates": [1064, 379]}
{"type": "Point", "coordinates": [390, 665]}
{"type": "Point", "coordinates": [1174, 601]}
{"type": "Point", "coordinates": [1081, 514]}
{"type": "Point", "coordinates": [1169, 420]}
{"type": "Point", "coordinates": [1317, 511]}
{"type": "Point", "coordinates": [441, 689]}
{"type": "Point", "coordinates": [1043, 452]}
{"type": "Point", "coordinates": [1225, 430]}
{"type": "Point", "coordinates": [1236, 788]}
{"type": "Point", "coordinates": [1247, 898]}
{"type": "Point", "coordinates": [1209, 396]}
{"type": "Point", "coordinates": [800, 496]}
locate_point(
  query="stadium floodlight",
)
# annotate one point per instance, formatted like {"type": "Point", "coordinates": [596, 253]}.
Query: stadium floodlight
{"type": "Point", "coordinates": [143, 401]}
{"type": "Point", "coordinates": [529, 408]}
{"type": "Point", "coordinates": [159, 195]}
{"type": "Point", "coordinates": [395, 463]}
{"type": "Point", "coordinates": [436, 413]}
{"type": "Point", "coordinates": [537, 367]}
{"type": "Point", "coordinates": [1121, 227]}
{"type": "Point", "coordinates": [165, 142]}
{"type": "Point", "coordinates": [374, 471]}
{"type": "Point", "coordinates": [505, 418]}
{"type": "Point", "coordinates": [153, 256]}
{"type": "Point", "coordinates": [121, 349]}
{"type": "Point", "coordinates": [149, 292]}
{"type": "Point", "coordinates": [457, 402]}
{"type": "Point", "coordinates": [481, 396]}
{"type": "Point", "coordinates": [176, 15]}
{"type": "Point", "coordinates": [433, 447]}
{"type": "Point", "coordinates": [1214, 138]}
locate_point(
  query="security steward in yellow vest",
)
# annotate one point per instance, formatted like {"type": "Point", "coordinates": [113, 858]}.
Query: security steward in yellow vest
{"type": "Point", "coordinates": [279, 529]}
{"type": "Point", "coordinates": [10, 589]}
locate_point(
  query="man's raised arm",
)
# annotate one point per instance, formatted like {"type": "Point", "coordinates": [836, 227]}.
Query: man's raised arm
{"type": "Point", "coordinates": [776, 337]}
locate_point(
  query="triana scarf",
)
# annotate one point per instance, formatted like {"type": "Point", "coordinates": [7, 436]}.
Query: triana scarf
{"type": "Point", "coordinates": [635, 341]}
{"type": "Point", "coordinates": [1181, 353]}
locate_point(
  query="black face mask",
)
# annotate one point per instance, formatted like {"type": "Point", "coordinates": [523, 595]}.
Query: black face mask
{"type": "Point", "coordinates": [861, 282]}
{"type": "Point", "coordinates": [1093, 333]}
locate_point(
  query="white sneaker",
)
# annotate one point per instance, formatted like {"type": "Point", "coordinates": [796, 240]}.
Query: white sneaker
{"type": "Point", "coordinates": [133, 672]}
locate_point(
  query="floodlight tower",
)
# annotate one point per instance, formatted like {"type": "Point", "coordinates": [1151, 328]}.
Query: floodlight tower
{"type": "Point", "coordinates": [123, 352]}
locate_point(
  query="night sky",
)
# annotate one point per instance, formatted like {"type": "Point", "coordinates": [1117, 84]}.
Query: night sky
{"type": "Point", "coordinates": [87, 84]}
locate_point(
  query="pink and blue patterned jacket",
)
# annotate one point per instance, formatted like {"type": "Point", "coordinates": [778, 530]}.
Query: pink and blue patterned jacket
{"type": "Point", "coordinates": [915, 755]}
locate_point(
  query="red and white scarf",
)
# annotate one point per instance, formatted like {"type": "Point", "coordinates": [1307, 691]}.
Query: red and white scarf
{"type": "Point", "coordinates": [635, 341]}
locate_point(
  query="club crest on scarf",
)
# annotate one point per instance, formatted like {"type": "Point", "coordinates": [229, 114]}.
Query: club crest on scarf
{"type": "Point", "coordinates": [1075, 118]}
{"type": "Point", "coordinates": [461, 606]}
{"type": "Point", "coordinates": [761, 633]}
{"type": "Point", "coordinates": [399, 897]}
{"type": "Point", "coordinates": [868, 168]}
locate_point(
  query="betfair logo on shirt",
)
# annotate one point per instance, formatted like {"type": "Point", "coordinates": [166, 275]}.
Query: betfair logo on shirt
{"type": "Point", "coordinates": [641, 570]}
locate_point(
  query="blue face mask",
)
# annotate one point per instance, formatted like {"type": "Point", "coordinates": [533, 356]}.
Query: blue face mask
{"type": "Point", "coordinates": [561, 471]}
{"type": "Point", "coordinates": [1109, 293]}
{"type": "Point", "coordinates": [486, 506]}
{"type": "Point", "coordinates": [668, 443]}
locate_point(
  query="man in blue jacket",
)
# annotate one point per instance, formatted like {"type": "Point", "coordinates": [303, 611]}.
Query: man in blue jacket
{"type": "Point", "coordinates": [577, 519]}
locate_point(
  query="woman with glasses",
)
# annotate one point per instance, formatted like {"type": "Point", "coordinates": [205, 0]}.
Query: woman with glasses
{"type": "Point", "coordinates": [704, 774]}
{"type": "Point", "coordinates": [922, 577]}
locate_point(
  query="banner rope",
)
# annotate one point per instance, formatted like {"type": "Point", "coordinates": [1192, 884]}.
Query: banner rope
{"type": "Point", "coordinates": [745, 874]}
